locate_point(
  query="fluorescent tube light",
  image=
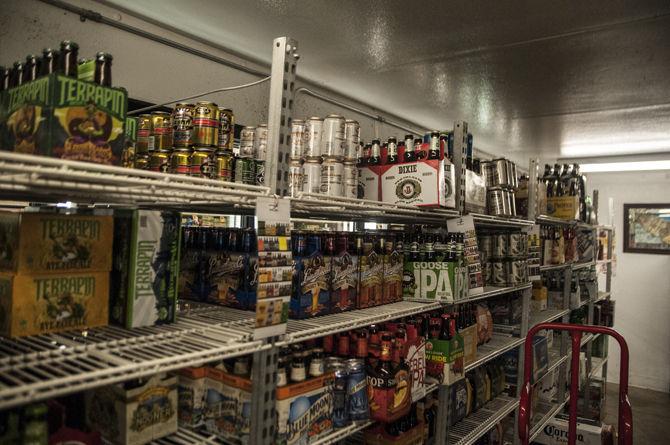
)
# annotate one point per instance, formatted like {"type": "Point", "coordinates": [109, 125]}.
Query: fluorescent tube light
{"type": "Point", "coordinates": [625, 166]}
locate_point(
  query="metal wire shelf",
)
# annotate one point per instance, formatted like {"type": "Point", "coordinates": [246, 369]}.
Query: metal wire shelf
{"type": "Point", "coordinates": [468, 430]}
{"type": "Point", "coordinates": [498, 221]}
{"type": "Point", "coordinates": [498, 345]}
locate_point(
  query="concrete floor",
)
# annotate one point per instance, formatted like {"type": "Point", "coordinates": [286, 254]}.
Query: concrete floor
{"type": "Point", "coordinates": [651, 414]}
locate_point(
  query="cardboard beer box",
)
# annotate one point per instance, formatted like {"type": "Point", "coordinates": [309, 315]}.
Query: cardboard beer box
{"type": "Point", "coordinates": [393, 274]}
{"type": "Point", "coordinates": [305, 410]}
{"type": "Point", "coordinates": [42, 303]}
{"type": "Point", "coordinates": [311, 296]}
{"type": "Point", "coordinates": [470, 341]}
{"type": "Point", "coordinates": [37, 243]}
{"type": "Point", "coordinates": [475, 192]}
{"type": "Point", "coordinates": [378, 435]}
{"type": "Point", "coordinates": [444, 360]}
{"type": "Point", "coordinates": [563, 207]}
{"type": "Point", "coordinates": [556, 433]}
{"type": "Point", "coordinates": [128, 154]}
{"type": "Point", "coordinates": [146, 267]}
{"type": "Point", "coordinates": [227, 406]}
{"type": "Point", "coordinates": [62, 117]}
{"type": "Point", "coordinates": [371, 276]}
{"type": "Point", "coordinates": [368, 182]}
{"type": "Point", "coordinates": [191, 392]}
{"type": "Point", "coordinates": [344, 280]}
{"type": "Point", "coordinates": [421, 183]}
{"type": "Point", "coordinates": [128, 415]}
{"type": "Point", "coordinates": [435, 281]}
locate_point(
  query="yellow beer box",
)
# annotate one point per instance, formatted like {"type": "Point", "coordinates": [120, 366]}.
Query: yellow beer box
{"type": "Point", "coordinates": [42, 303]}
{"type": "Point", "coordinates": [563, 207]}
{"type": "Point", "coordinates": [37, 243]}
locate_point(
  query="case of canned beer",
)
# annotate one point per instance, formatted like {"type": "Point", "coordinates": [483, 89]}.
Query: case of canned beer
{"type": "Point", "coordinates": [146, 267]}
{"type": "Point", "coordinates": [62, 117]}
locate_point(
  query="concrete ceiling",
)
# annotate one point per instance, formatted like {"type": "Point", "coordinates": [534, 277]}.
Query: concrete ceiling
{"type": "Point", "coordinates": [550, 78]}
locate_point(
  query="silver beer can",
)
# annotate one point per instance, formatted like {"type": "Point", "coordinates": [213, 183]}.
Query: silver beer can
{"type": "Point", "coordinates": [500, 178]}
{"type": "Point", "coordinates": [312, 176]}
{"type": "Point", "coordinates": [500, 247]}
{"type": "Point", "coordinates": [488, 273]}
{"type": "Point", "coordinates": [298, 136]}
{"type": "Point", "coordinates": [350, 181]}
{"type": "Point", "coordinates": [498, 274]}
{"type": "Point", "coordinates": [497, 201]}
{"type": "Point", "coordinates": [314, 131]}
{"type": "Point", "coordinates": [261, 142]}
{"type": "Point", "coordinates": [332, 139]}
{"type": "Point", "coordinates": [515, 245]}
{"type": "Point", "coordinates": [295, 178]}
{"type": "Point", "coordinates": [247, 142]}
{"type": "Point", "coordinates": [352, 140]}
{"type": "Point", "coordinates": [332, 174]}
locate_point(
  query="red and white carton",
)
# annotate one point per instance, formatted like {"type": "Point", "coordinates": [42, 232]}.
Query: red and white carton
{"type": "Point", "coordinates": [426, 183]}
{"type": "Point", "coordinates": [368, 182]}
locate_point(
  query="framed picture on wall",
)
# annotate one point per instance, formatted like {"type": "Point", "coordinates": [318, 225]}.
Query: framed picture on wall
{"type": "Point", "coordinates": [646, 228]}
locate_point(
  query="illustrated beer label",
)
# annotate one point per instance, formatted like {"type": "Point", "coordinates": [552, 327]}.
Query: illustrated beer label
{"type": "Point", "coordinates": [344, 284]}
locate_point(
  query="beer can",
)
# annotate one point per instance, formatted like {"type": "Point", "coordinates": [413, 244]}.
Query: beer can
{"type": "Point", "coordinates": [312, 176]}
{"type": "Point", "coordinates": [515, 245]}
{"type": "Point", "coordinates": [298, 136]}
{"type": "Point", "coordinates": [500, 178]}
{"type": "Point", "coordinates": [261, 142]}
{"type": "Point", "coordinates": [517, 272]}
{"type": "Point", "coordinates": [159, 161]}
{"type": "Point", "coordinates": [485, 247]}
{"type": "Point", "coordinates": [350, 180]}
{"type": "Point", "coordinates": [259, 171]}
{"type": "Point", "coordinates": [226, 129]}
{"type": "Point", "coordinates": [161, 130]}
{"type": "Point", "coordinates": [247, 142]}
{"type": "Point", "coordinates": [511, 204]}
{"type": "Point", "coordinates": [488, 170]}
{"type": "Point", "coordinates": [141, 161]}
{"type": "Point", "coordinates": [352, 140]}
{"type": "Point", "coordinates": [332, 172]}
{"type": "Point", "coordinates": [488, 273]}
{"type": "Point", "coordinates": [340, 415]}
{"type": "Point", "coordinates": [497, 202]}
{"type": "Point", "coordinates": [295, 178]}
{"type": "Point", "coordinates": [145, 142]}
{"type": "Point", "coordinates": [314, 130]}
{"type": "Point", "coordinates": [182, 125]}
{"type": "Point", "coordinates": [223, 166]}
{"type": "Point", "coordinates": [205, 124]}
{"type": "Point", "coordinates": [357, 391]}
{"type": "Point", "coordinates": [180, 162]}
{"type": "Point", "coordinates": [500, 247]}
{"type": "Point", "coordinates": [201, 162]}
{"type": "Point", "coordinates": [498, 273]}
{"type": "Point", "coordinates": [332, 139]}
{"type": "Point", "coordinates": [244, 171]}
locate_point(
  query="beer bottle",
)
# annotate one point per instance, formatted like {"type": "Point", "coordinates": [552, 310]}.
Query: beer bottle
{"type": "Point", "coordinates": [445, 331]}
{"type": "Point", "coordinates": [409, 155]}
{"type": "Point", "coordinates": [5, 75]}
{"type": "Point", "coordinates": [444, 145]}
{"type": "Point", "coordinates": [556, 177]}
{"type": "Point", "coordinates": [450, 146]}
{"type": "Point", "coordinates": [399, 347]}
{"type": "Point", "coordinates": [429, 247]}
{"type": "Point", "coordinates": [49, 63]}
{"type": "Point", "coordinates": [31, 68]}
{"type": "Point", "coordinates": [392, 151]}
{"type": "Point", "coordinates": [384, 367]}
{"type": "Point", "coordinates": [103, 69]}
{"type": "Point", "coordinates": [434, 147]}
{"type": "Point", "coordinates": [16, 78]}
{"type": "Point", "coordinates": [68, 58]}
{"type": "Point", "coordinates": [374, 344]}
{"type": "Point", "coordinates": [362, 159]}
{"type": "Point", "coordinates": [418, 153]}
{"type": "Point", "coordinates": [375, 153]}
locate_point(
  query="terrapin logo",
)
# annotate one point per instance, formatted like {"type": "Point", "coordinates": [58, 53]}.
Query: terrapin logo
{"type": "Point", "coordinates": [408, 189]}
{"type": "Point", "coordinates": [90, 131]}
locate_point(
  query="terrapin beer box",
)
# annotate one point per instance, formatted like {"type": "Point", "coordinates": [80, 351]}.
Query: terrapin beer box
{"type": "Point", "coordinates": [227, 410]}
{"type": "Point", "coordinates": [62, 117]}
{"type": "Point", "coordinates": [146, 267]}
{"type": "Point", "coordinates": [41, 303]}
{"type": "Point", "coordinates": [128, 155]}
{"type": "Point", "coordinates": [425, 183]}
{"type": "Point", "coordinates": [134, 415]}
{"type": "Point", "coordinates": [305, 410]}
{"type": "Point", "coordinates": [37, 243]}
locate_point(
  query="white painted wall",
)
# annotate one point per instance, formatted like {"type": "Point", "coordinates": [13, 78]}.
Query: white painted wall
{"type": "Point", "coordinates": [641, 283]}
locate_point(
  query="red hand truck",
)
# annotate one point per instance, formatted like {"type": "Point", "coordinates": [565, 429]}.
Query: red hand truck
{"type": "Point", "coordinates": [625, 410]}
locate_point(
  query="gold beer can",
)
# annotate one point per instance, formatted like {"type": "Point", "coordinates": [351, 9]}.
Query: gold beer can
{"type": "Point", "coordinates": [144, 138]}
{"type": "Point", "coordinates": [182, 124]}
{"type": "Point", "coordinates": [200, 162]}
{"type": "Point", "coordinates": [180, 162]}
{"type": "Point", "coordinates": [205, 125]}
{"type": "Point", "coordinates": [142, 161]}
{"type": "Point", "coordinates": [159, 161]}
{"type": "Point", "coordinates": [161, 123]}
{"type": "Point", "coordinates": [223, 166]}
{"type": "Point", "coordinates": [226, 129]}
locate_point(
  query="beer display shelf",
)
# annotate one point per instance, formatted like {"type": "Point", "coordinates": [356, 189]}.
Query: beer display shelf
{"type": "Point", "coordinates": [499, 221]}
{"type": "Point", "coordinates": [301, 330]}
{"type": "Point", "coordinates": [37, 178]}
{"type": "Point", "coordinates": [588, 337]}
{"type": "Point", "coordinates": [551, 267]}
{"type": "Point", "coordinates": [546, 412]}
{"type": "Point", "coordinates": [468, 430]}
{"type": "Point", "coordinates": [604, 261]}
{"type": "Point", "coordinates": [582, 265]}
{"type": "Point", "coordinates": [41, 367]}
{"type": "Point", "coordinates": [189, 437]}
{"type": "Point", "coordinates": [546, 219]}
{"type": "Point", "coordinates": [555, 360]}
{"type": "Point", "coordinates": [605, 227]}
{"type": "Point", "coordinates": [498, 345]}
{"type": "Point", "coordinates": [602, 295]}
{"type": "Point", "coordinates": [492, 291]}
{"type": "Point", "coordinates": [546, 316]}
{"type": "Point", "coordinates": [597, 364]}
{"type": "Point", "coordinates": [349, 209]}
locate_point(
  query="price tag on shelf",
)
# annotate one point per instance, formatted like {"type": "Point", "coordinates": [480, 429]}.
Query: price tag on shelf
{"type": "Point", "coordinates": [275, 266]}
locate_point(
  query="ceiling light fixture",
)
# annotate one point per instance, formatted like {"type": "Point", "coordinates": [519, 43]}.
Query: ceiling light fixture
{"type": "Point", "coordinates": [625, 166]}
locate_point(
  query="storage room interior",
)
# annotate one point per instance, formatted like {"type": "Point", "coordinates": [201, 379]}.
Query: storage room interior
{"type": "Point", "coordinates": [546, 82]}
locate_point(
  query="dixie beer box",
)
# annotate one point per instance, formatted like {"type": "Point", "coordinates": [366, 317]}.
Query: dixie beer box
{"type": "Point", "coordinates": [63, 117]}
{"type": "Point", "coordinates": [36, 243]}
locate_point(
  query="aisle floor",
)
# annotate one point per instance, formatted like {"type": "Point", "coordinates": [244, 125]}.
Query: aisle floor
{"type": "Point", "coordinates": [651, 414]}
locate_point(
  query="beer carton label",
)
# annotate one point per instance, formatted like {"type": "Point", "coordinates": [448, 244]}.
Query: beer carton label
{"type": "Point", "coordinates": [344, 282]}
{"type": "Point", "coordinates": [9, 237]}
{"type": "Point", "coordinates": [419, 183]}
{"type": "Point", "coordinates": [305, 415]}
{"type": "Point", "coordinates": [63, 117]}
{"type": "Point", "coordinates": [227, 407]}
{"type": "Point", "coordinates": [42, 303]}
{"type": "Point", "coordinates": [368, 183]}
{"type": "Point", "coordinates": [435, 280]}
{"type": "Point", "coordinates": [393, 278]}
{"type": "Point", "coordinates": [391, 396]}
{"type": "Point", "coordinates": [191, 392]}
{"type": "Point", "coordinates": [411, 279]}
{"type": "Point", "coordinates": [475, 192]}
{"type": "Point", "coordinates": [372, 270]}
{"type": "Point", "coordinates": [444, 360]}
{"type": "Point", "coordinates": [416, 360]}
{"type": "Point", "coordinates": [311, 296]}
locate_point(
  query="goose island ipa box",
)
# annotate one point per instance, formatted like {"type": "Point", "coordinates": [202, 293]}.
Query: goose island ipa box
{"type": "Point", "coordinates": [62, 117]}
{"type": "Point", "coordinates": [32, 243]}
{"type": "Point", "coordinates": [41, 303]}
{"type": "Point", "coordinates": [146, 267]}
